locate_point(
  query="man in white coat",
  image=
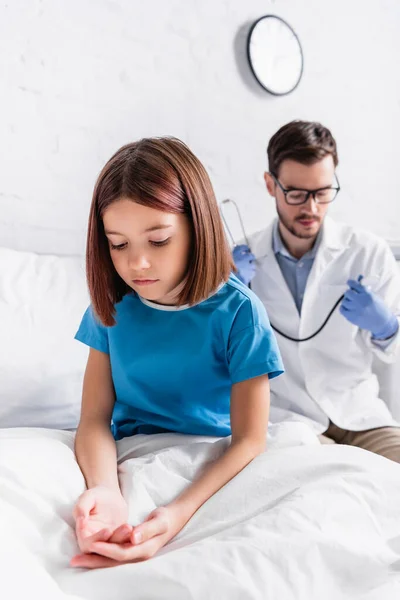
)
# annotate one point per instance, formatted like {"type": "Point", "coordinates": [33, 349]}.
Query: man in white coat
{"type": "Point", "coordinates": [300, 266]}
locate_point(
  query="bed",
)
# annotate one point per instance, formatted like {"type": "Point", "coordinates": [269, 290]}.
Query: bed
{"type": "Point", "coordinates": [302, 521]}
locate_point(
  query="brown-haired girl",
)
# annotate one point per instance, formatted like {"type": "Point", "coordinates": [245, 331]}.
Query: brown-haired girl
{"type": "Point", "coordinates": [177, 343]}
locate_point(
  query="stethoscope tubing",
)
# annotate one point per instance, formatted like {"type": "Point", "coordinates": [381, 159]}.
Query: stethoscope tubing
{"type": "Point", "coordinates": [309, 337]}
{"type": "Point", "coordinates": [285, 335]}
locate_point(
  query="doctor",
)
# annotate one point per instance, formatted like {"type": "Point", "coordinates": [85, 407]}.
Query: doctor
{"type": "Point", "coordinates": [303, 263]}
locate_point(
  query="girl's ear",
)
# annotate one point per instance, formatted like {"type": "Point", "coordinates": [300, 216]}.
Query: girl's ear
{"type": "Point", "coordinates": [270, 184]}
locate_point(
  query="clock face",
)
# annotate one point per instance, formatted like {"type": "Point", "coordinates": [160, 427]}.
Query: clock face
{"type": "Point", "coordinates": [275, 55]}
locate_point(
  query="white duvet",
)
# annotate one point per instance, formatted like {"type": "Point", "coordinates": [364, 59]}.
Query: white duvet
{"type": "Point", "coordinates": [302, 521]}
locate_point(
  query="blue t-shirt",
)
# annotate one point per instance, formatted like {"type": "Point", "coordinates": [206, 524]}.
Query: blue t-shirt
{"type": "Point", "coordinates": [173, 367]}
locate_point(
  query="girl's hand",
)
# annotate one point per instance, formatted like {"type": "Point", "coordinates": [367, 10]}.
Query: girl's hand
{"type": "Point", "coordinates": [99, 513]}
{"type": "Point", "coordinates": [140, 544]}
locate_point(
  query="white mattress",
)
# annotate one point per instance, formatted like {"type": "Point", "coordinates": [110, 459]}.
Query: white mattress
{"type": "Point", "coordinates": [300, 522]}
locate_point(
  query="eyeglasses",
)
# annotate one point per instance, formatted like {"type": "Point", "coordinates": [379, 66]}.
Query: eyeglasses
{"type": "Point", "coordinates": [299, 196]}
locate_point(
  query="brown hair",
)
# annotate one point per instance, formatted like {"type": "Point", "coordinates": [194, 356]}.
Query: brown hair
{"type": "Point", "coordinates": [160, 173]}
{"type": "Point", "coordinates": [305, 142]}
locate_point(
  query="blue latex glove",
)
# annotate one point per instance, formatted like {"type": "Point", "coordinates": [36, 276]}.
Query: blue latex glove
{"type": "Point", "coordinates": [368, 311]}
{"type": "Point", "coordinates": [244, 261]}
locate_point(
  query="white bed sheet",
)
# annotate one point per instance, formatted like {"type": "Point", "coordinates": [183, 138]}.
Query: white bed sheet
{"type": "Point", "coordinates": [300, 522]}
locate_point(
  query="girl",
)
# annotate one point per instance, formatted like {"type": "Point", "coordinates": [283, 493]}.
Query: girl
{"type": "Point", "coordinates": [177, 343]}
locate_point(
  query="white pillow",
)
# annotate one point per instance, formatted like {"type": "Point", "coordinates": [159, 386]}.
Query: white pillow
{"type": "Point", "coordinates": [42, 300]}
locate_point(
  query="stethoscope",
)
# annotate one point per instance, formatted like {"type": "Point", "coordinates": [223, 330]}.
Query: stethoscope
{"type": "Point", "coordinates": [288, 337]}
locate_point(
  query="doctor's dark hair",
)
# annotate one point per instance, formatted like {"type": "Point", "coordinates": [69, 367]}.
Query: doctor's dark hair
{"type": "Point", "coordinates": [161, 173]}
{"type": "Point", "coordinates": [305, 142]}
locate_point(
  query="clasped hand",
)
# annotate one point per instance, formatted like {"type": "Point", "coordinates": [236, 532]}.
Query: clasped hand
{"type": "Point", "coordinates": [106, 539]}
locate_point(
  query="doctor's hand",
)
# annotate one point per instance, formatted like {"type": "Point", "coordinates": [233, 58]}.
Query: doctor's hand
{"type": "Point", "coordinates": [244, 261]}
{"type": "Point", "coordinates": [140, 544]}
{"type": "Point", "coordinates": [100, 514]}
{"type": "Point", "coordinates": [368, 311]}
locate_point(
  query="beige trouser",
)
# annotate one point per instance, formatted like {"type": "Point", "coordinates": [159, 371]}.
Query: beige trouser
{"type": "Point", "coordinates": [383, 440]}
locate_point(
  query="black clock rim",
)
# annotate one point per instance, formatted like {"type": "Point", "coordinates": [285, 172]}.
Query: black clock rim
{"type": "Point", "coordinates": [249, 59]}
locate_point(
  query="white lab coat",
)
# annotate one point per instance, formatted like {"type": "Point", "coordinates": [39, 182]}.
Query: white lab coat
{"type": "Point", "coordinates": [330, 376]}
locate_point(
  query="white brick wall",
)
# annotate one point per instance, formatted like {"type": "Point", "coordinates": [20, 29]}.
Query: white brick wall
{"type": "Point", "coordinates": [79, 78]}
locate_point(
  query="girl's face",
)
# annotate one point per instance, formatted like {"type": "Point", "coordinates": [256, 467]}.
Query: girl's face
{"type": "Point", "coordinates": [149, 248]}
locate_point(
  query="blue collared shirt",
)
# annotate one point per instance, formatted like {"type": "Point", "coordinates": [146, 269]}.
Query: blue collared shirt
{"type": "Point", "coordinates": [295, 271]}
